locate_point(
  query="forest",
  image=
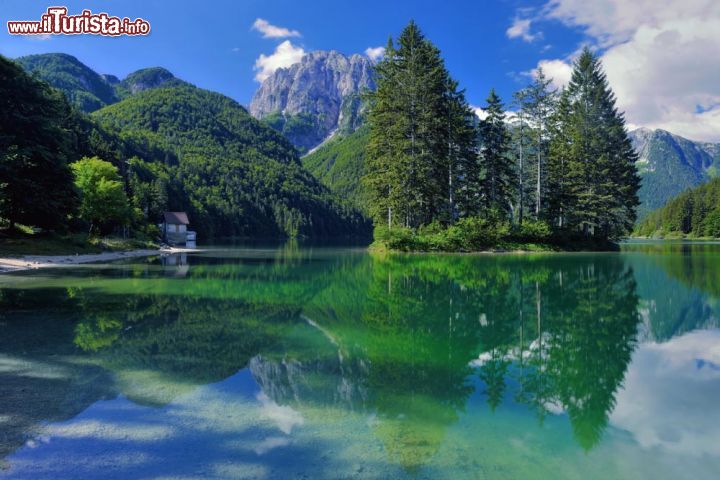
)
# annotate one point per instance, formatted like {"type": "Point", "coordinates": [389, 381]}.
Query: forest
{"type": "Point", "coordinates": [694, 213]}
{"type": "Point", "coordinates": [560, 167]}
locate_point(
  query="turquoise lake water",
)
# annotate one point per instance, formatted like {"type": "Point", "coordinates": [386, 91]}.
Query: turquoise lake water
{"type": "Point", "coordinates": [329, 363]}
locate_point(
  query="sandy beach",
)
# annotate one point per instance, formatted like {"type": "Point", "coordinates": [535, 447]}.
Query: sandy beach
{"type": "Point", "coordinates": [30, 262]}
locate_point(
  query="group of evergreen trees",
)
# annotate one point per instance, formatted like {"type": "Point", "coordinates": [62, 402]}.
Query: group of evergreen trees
{"type": "Point", "coordinates": [37, 140]}
{"type": "Point", "coordinates": [563, 159]}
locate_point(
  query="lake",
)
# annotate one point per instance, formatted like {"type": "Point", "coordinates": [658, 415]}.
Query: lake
{"type": "Point", "coordinates": [330, 363]}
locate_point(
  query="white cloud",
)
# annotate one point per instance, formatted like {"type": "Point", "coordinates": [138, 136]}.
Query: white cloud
{"type": "Point", "coordinates": [559, 71]}
{"type": "Point", "coordinates": [479, 112]}
{"type": "Point", "coordinates": [284, 55]}
{"type": "Point", "coordinates": [521, 29]}
{"type": "Point", "coordinates": [375, 53]}
{"type": "Point", "coordinates": [659, 56]}
{"type": "Point", "coordinates": [273, 31]}
{"type": "Point", "coordinates": [669, 397]}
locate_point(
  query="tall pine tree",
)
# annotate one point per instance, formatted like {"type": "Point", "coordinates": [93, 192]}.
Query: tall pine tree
{"type": "Point", "coordinates": [521, 139]}
{"type": "Point", "coordinates": [419, 136]}
{"type": "Point", "coordinates": [463, 167]}
{"type": "Point", "coordinates": [538, 106]}
{"type": "Point", "coordinates": [595, 181]}
{"type": "Point", "coordinates": [498, 173]}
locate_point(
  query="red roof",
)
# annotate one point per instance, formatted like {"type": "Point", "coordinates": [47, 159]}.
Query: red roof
{"type": "Point", "coordinates": [176, 218]}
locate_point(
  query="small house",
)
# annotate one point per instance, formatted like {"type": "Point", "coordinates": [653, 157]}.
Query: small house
{"type": "Point", "coordinates": [175, 229]}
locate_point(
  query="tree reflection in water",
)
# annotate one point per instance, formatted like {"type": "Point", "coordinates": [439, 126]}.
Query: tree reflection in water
{"type": "Point", "coordinates": [406, 339]}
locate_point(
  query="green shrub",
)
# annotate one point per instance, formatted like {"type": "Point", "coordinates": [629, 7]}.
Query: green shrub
{"type": "Point", "coordinates": [474, 233]}
{"type": "Point", "coordinates": [396, 238]}
{"type": "Point", "coordinates": [431, 228]}
{"type": "Point", "coordinates": [532, 231]}
{"type": "Point", "coordinates": [468, 234]}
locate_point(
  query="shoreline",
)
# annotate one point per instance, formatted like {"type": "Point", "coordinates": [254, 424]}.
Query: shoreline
{"type": "Point", "coordinates": [34, 262]}
{"type": "Point", "coordinates": [524, 248]}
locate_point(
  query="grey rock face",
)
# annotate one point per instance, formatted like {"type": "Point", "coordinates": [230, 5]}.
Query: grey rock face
{"type": "Point", "coordinates": [323, 89]}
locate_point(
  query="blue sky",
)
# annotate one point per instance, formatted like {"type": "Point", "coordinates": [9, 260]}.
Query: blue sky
{"type": "Point", "coordinates": [485, 44]}
{"type": "Point", "coordinates": [216, 48]}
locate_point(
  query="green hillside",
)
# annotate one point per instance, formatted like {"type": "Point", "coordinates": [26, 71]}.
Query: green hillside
{"type": "Point", "coordinates": [694, 213]}
{"type": "Point", "coordinates": [88, 90]}
{"type": "Point", "coordinates": [235, 175]}
{"type": "Point", "coordinates": [340, 164]}
{"type": "Point", "coordinates": [83, 87]}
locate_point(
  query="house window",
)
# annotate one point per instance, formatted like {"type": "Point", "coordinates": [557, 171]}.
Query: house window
{"type": "Point", "coordinates": [181, 228]}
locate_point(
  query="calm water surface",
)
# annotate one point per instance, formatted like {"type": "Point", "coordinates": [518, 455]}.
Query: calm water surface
{"type": "Point", "coordinates": [329, 363]}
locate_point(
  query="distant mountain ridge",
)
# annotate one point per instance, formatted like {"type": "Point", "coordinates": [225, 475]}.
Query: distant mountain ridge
{"type": "Point", "coordinates": [670, 164]}
{"type": "Point", "coordinates": [313, 99]}
{"type": "Point", "coordinates": [87, 89]}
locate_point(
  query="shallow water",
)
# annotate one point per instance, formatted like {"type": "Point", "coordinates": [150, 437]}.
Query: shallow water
{"type": "Point", "coordinates": [326, 363]}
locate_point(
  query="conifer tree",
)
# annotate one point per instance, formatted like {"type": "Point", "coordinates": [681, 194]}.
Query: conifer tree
{"type": "Point", "coordinates": [561, 184]}
{"type": "Point", "coordinates": [498, 179]}
{"type": "Point", "coordinates": [593, 163]}
{"type": "Point", "coordinates": [538, 106]}
{"type": "Point", "coordinates": [462, 161]}
{"type": "Point", "coordinates": [520, 142]}
{"type": "Point", "coordinates": [419, 140]}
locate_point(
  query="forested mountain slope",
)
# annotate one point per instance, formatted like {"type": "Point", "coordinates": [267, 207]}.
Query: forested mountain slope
{"type": "Point", "coordinates": [87, 89]}
{"type": "Point", "coordinates": [340, 164]}
{"type": "Point", "coordinates": [694, 213]}
{"type": "Point", "coordinates": [235, 175]}
{"type": "Point", "coordinates": [83, 87]}
{"type": "Point", "coordinates": [38, 139]}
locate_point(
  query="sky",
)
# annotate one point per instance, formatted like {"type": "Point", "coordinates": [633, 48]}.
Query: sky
{"type": "Point", "coordinates": [660, 56]}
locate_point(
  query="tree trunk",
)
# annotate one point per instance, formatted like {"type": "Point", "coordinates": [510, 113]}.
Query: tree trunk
{"type": "Point", "coordinates": [521, 175]}
{"type": "Point", "coordinates": [539, 169]}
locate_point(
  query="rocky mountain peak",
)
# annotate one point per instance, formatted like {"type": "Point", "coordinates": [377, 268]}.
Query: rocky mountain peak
{"type": "Point", "coordinates": [315, 97]}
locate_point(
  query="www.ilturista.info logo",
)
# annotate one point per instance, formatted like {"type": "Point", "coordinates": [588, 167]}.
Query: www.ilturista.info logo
{"type": "Point", "coordinates": [57, 22]}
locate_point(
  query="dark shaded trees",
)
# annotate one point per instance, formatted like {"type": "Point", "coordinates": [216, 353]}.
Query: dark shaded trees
{"type": "Point", "coordinates": [37, 140]}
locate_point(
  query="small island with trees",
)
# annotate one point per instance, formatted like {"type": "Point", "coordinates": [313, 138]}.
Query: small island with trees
{"type": "Point", "coordinates": [559, 175]}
